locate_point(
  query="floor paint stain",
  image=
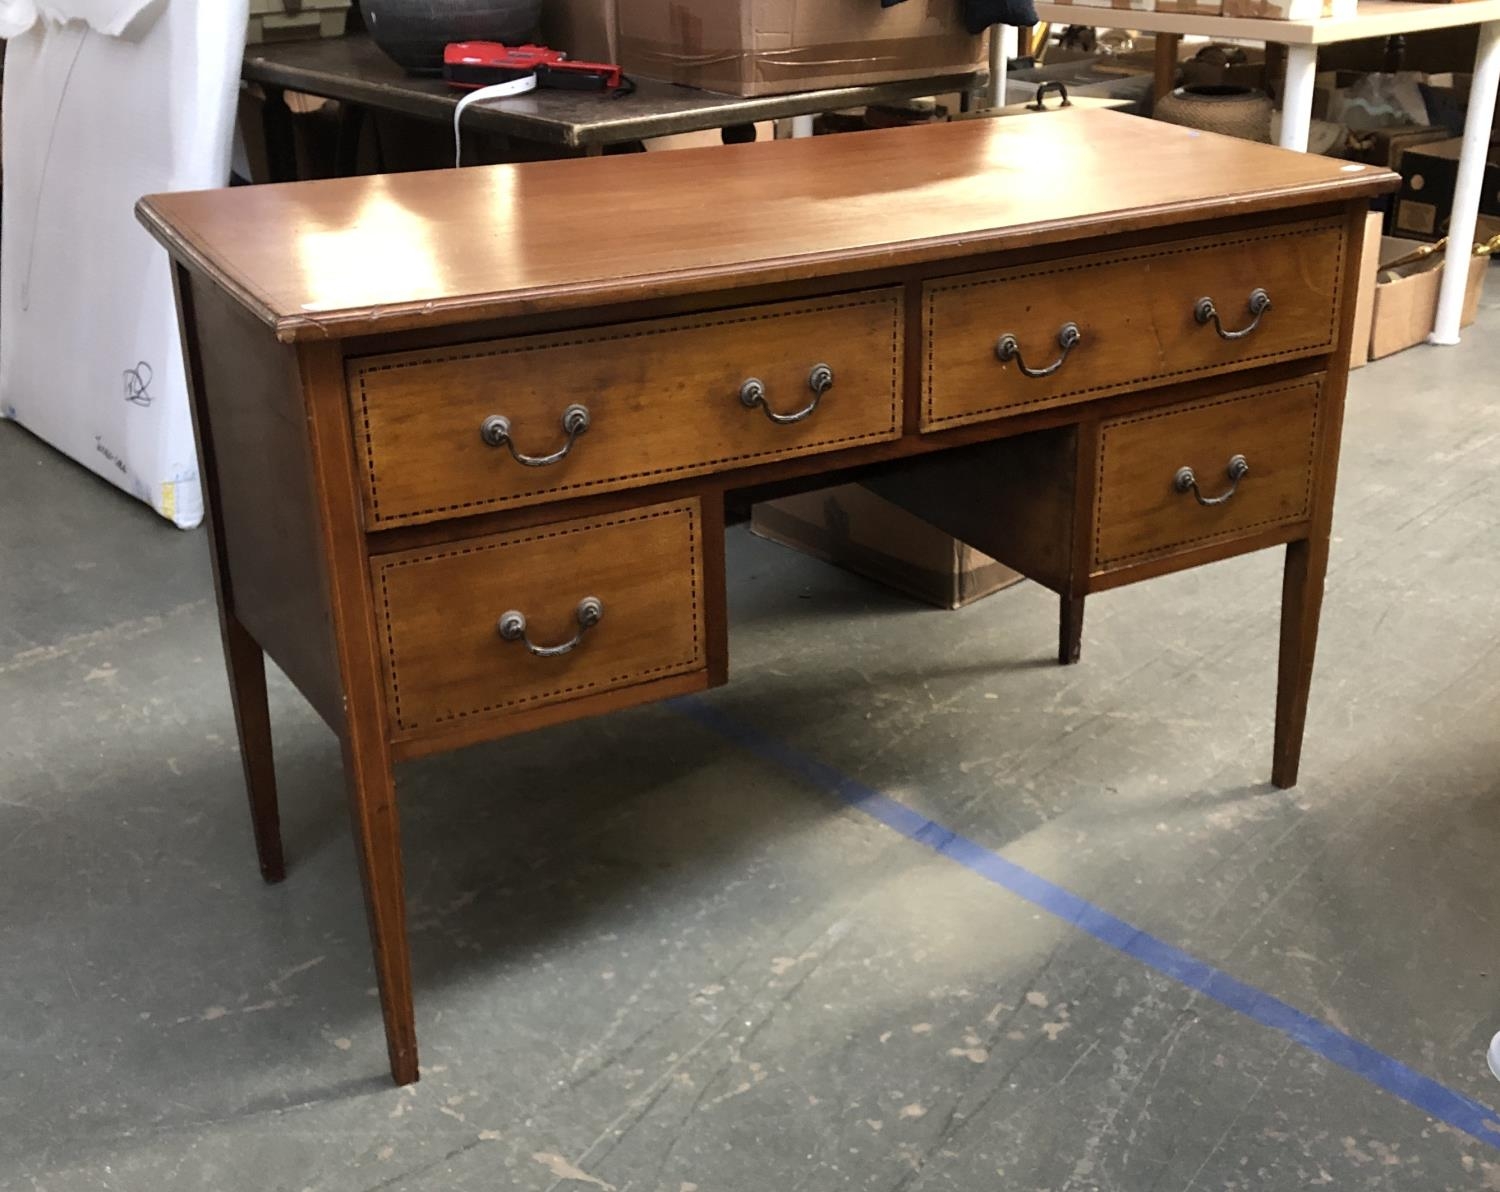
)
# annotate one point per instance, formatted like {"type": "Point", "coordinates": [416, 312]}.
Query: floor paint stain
{"type": "Point", "coordinates": [564, 1170]}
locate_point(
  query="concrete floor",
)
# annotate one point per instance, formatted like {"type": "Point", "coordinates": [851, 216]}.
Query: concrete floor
{"type": "Point", "coordinates": [653, 956]}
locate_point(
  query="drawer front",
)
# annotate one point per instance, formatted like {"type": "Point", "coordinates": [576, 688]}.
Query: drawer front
{"type": "Point", "coordinates": [663, 399]}
{"type": "Point", "coordinates": [446, 659]}
{"type": "Point", "coordinates": [1137, 320]}
{"type": "Point", "coordinates": [1144, 510]}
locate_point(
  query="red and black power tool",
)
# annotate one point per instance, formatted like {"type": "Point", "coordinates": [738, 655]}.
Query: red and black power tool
{"type": "Point", "coordinates": [472, 64]}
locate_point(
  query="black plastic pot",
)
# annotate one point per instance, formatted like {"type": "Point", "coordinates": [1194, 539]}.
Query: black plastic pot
{"type": "Point", "coordinates": [414, 32]}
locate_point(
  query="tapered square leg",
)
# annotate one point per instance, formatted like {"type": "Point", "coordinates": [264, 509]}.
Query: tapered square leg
{"type": "Point", "coordinates": [1301, 604]}
{"type": "Point", "coordinates": [1070, 630]}
{"type": "Point", "coordinates": [377, 839]}
{"type": "Point", "coordinates": [246, 664]}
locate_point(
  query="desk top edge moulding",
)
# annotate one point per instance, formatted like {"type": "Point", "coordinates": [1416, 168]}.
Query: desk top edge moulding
{"type": "Point", "coordinates": [503, 239]}
{"type": "Point", "coordinates": [467, 437]}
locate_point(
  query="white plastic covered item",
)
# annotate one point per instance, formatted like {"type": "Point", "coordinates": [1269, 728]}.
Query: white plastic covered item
{"type": "Point", "coordinates": [113, 18]}
{"type": "Point", "coordinates": [127, 98]}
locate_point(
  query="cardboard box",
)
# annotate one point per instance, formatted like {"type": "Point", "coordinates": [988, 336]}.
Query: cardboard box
{"type": "Point", "coordinates": [766, 47]}
{"type": "Point", "coordinates": [295, 20]}
{"type": "Point", "coordinates": [1290, 10]}
{"type": "Point", "coordinates": [1384, 146]}
{"type": "Point", "coordinates": [1124, 5]}
{"type": "Point", "coordinates": [1429, 174]}
{"type": "Point", "coordinates": [866, 534]}
{"type": "Point", "coordinates": [1364, 298]}
{"type": "Point", "coordinates": [1406, 306]}
{"type": "Point", "coordinates": [583, 29]}
{"type": "Point", "coordinates": [1206, 8]}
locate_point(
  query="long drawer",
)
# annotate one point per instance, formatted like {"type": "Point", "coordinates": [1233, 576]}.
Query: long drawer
{"type": "Point", "coordinates": [487, 625]}
{"type": "Point", "coordinates": [1083, 327]}
{"type": "Point", "coordinates": [1174, 479]}
{"type": "Point", "coordinates": [520, 421]}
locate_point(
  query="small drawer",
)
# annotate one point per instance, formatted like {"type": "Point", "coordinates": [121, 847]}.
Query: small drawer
{"type": "Point", "coordinates": [520, 421]}
{"type": "Point", "coordinates": [490, 625]}
{"type": "Point", "coordinates": [1186, 476]}
{"type": "Point", "coordinates": [1063, 331]}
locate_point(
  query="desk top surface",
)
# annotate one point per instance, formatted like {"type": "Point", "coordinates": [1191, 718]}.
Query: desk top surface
{"type": "Point", "coordinates": [354, 69]}
{"type": "Point", "coordinates": [356, 256]}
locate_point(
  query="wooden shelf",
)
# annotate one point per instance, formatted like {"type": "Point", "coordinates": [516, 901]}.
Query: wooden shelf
{"type": "Point", "coordinates": [1376, 18]}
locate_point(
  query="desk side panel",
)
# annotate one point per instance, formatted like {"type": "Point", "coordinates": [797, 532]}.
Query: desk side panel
{"type": "Point", "coordinates": [252, 415]}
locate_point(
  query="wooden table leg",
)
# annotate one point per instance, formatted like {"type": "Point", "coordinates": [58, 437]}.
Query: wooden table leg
{"type": "Point", "coordinates": [351, 125]}
{"type": "Point", "coordinates": [246, 664]}
{"type": "Point", "coordinates": [1070, 630]}
{"type": "Point", "coordinates": [377, 837]}
{"type": "Point", "coordinates": [1301, 603]}
{"type": "Point", "coordinates": [281, 136]}
{"type": "Point", "coordinates": [243, 658]}
{"type": "Point", "coordinates": [368, 770]}
{"type": "Point", "coordinates": [1166, 64]}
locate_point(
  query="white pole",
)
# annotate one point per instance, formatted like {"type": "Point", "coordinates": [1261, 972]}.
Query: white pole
{"type": "Point", "coordinates": [1297, 96]}
{"type": "Point", "coordinates": [802, 126]}
{"type": "Point", "coordinates": [1466, 189]}
{"type": "Point", "coordinates": [1002, 49]}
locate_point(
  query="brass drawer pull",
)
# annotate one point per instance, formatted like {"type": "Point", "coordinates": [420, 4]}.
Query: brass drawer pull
{"type": "Point", "coordinates": [1206, 312]}
{"type": "Point", "coordinates": [1185, 481]}
{"type": "Point", "coordinates": [495, 430]}
{"type": "Point", "coordinates": [1008, 348]}
{"type": "Point", "coordinates": [512, 627]}
{"type": "Point", "coordinates": [753, 393]}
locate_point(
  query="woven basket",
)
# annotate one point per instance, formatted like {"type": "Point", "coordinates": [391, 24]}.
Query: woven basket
{"type": "Point", "coordinates": [1235, 111]}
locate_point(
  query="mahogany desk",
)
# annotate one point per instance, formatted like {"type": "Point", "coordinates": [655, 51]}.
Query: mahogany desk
{"type": "Point", "coordinates": [466, 437]}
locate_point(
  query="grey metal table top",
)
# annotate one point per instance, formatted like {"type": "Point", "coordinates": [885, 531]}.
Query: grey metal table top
{"type": "Point", "coordinates": [352, 69]}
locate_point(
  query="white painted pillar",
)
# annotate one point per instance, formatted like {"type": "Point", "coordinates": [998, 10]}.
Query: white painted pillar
{"type": "Point", "coordinates": [1003, 43]}
{"type": "Point", "coordinates": [1466, 189]}
{"type": "Point", "coordinates": [1297, 96]}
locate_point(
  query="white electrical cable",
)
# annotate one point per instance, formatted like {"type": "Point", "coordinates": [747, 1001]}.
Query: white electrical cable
{"type": "Point", "coordinates": [498, 91]}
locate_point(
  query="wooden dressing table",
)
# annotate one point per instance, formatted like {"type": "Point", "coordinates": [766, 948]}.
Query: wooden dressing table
{"type": "Point", "coordinates": [466, 437]}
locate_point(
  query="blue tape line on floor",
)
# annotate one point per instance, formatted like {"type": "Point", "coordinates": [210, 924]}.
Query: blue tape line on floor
{"type": "Point", "coordinates": [1434, 1099]}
